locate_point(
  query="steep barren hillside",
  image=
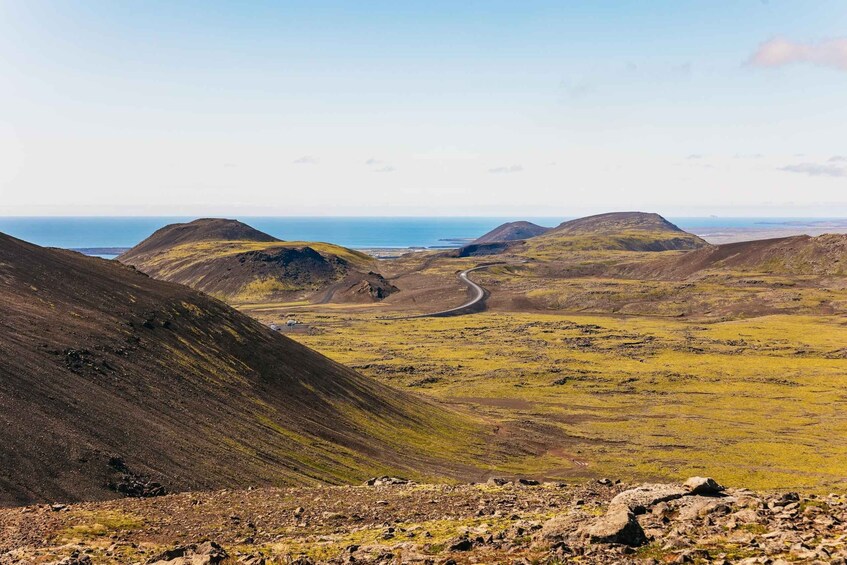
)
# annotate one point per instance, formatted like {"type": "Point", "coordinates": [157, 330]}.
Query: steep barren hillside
{"type": "Point", "coordinates": [512, 231]}
{"type": "Point", "coordinates": [110, 380]}
{"type": "Point", "coordinates": [618, 231]}
{"type": "Point", "coordinates": [237, 263]}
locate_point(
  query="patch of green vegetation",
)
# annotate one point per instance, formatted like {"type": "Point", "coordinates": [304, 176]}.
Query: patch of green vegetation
{"type": "Point", "coordinates": [430, 537]}
{"type": "Point", "coordinates": [553, 246]}
{"type": "Point", "coordinates": [101, 523]}
{"type": "Point", "coordinates": [755, 529]}
{"type": "Point", "coordinates": [631, 397]}
{"type": "Point", "coordinates": [262, 288]}
{"type": "Point", "coordinates": [183, 256]}
{"type": "Point", "coordinates": [653, 551]}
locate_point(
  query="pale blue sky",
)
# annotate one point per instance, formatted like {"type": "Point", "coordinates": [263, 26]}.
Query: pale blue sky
{"type": "Point", "coordinates": [461, 108]}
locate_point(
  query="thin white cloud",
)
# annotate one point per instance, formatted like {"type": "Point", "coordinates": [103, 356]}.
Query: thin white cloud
{"type": "Point", "coordinates": [683, 69]}
{"type": "Point", "coordinates": [388, 169]}
{"type": "Point", "coordinates": [373, 161]}
{"type": "Point", "coordinates": [816, 170]}
{"type": "Point", "coordinates": [694, 156]}
{"type": "Point", "coordinates": [779, 52]}
{"type": "Point", "coordinates": [576, 89]}
{"type": "Point", "coordinates": [838, 159]}
{"type": "Point", "coordinates": [306, 160]}
{"type": "Point", "coordinates": [506, 170]}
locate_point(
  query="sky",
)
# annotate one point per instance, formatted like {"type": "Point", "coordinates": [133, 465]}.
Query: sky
{"type": "Point", "coordinates": [537, 108]}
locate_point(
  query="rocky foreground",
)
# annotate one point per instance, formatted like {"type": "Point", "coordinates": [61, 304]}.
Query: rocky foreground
{"type": "Point", "coordinates": [393, 521]}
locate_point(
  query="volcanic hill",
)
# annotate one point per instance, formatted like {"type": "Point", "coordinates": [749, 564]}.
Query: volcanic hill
{"type": "Point", "coordinates": [112, 382]}
{"type": "Point", "coordinates": [237, 263]}
{"type": "Point", "coordinates": [617, 231]}
{"type": "Point", "coordinates": [512, 231]}
{"type": "Point", "coordinates": [612, 232]}
{"type": "Point", "coordinates": [798, 255]}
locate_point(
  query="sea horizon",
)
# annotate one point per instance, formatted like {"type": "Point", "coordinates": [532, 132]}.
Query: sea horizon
{"type": "Point", "coordinates": [377, 232]}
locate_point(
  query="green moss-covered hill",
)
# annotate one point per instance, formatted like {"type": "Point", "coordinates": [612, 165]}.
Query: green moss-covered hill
{"type": "Point", "coordinates": [239, 264]}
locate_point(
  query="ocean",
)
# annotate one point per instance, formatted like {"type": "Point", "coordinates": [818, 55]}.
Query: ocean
{"type": "Point", "coordinates": [106, 236]}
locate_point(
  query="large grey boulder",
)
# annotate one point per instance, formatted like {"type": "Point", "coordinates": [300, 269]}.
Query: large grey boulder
{"type": "Point", "coordinates": [638, 500]}
{"type": "Point", "coordinates": [703, 486]}
{"type": "Point", "coordinates": [618, 525]}
{"type": "Point", "coordinates": [561, 527]}
{"type": "Point", "coordinates": [206, 553]}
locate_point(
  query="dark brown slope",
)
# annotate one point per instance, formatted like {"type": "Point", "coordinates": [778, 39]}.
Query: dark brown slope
{"type": "Point", "coordinates": [100, 362]}
{"type": "Point", "coordinates": [239, 264]}
{"type": "Point", "coordinates": [798, 255]}
{"type": "Point", "coordinates": [204, 229]}
{"type": "Point", "coordinates": [512, 231]}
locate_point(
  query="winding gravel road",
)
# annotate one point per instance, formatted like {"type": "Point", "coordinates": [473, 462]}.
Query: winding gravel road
{"type": "Point", "coordinates": [472, 305]}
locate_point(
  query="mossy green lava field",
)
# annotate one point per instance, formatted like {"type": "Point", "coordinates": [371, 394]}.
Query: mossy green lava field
{"type": "Point", "coordinates": [759, 402]}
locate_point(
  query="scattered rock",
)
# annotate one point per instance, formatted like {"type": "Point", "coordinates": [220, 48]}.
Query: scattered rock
{"type": "Point", "coordinates": [75, 558]}
{"type": "Point", "coordinates": [699, 507]}
{"type": "Point", "coordinates": [738, 526]}
{"type": "Point", "coordinates": [386, 480]}
{"type": "Point", "coordinates": [498, 481]}
{"type": "Point", "coordinates": [206, 553]}
{"type": "Point", "coordinates": [703, 486]}
{"type": "Point", "coordinates": [559, 527]}
{"type": "Point", "coordinates": [529, 482]}
{"type": "Point", "coordinates": [460, 544]}
{"type": "Point", "coordinates": [640, 499]}
{"type": "Point", "coordinates": [617, 526]}
{"type": "Point", "coordinates": [424, 381]}
{"type": "Point", "coordinates": [746, 516]}
{"type": "Point", "coordinates": [131, 484]}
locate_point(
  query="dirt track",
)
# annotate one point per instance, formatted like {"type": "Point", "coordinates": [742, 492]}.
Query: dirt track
{"type": "Point", "coordinates": [475, 304]}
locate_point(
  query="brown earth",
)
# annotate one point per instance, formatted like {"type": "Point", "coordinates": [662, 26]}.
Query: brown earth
{"type": "Point", "coordinates": [113, 382]}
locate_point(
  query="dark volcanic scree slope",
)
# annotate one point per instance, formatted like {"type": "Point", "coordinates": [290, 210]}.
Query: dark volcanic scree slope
{"type": "Point", "coordinates": [110, 379]}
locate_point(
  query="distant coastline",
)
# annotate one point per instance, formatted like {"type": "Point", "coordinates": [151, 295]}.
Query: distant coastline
{"type": "Point", "coordinates": [382, 237]}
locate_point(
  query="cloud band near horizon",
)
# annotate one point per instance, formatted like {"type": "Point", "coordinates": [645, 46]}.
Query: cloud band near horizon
{"type": "Point", "coordinates": [779, 52]}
